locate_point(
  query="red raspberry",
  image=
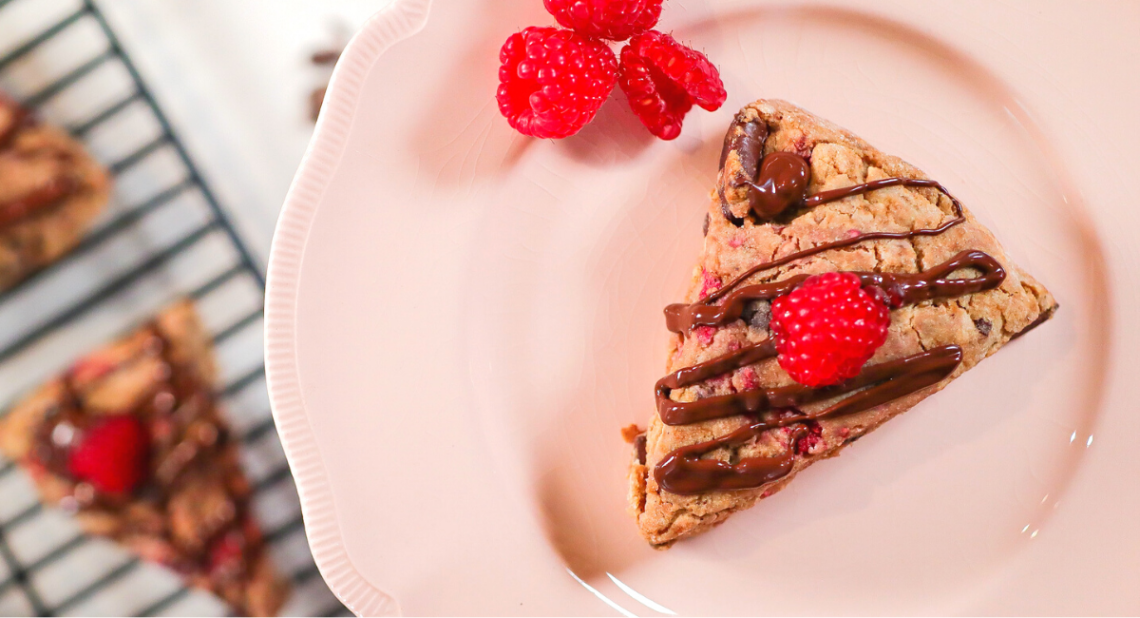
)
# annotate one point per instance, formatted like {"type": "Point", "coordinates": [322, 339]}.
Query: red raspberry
{"type": "Point", "coordinates": [827, 328]}
{"type": "Point", "coordinates": [112, 454]}
{"type": "Point", "coordinates": [812, 438]}
{"type": "Point", "coordinates": [705, 334]}
{"type": "Point", "coordinates": [663, 79]}
{"type": "Point", "coordinates": [552, 81]}
{"type": "Point", "coordinates": [607, 19]}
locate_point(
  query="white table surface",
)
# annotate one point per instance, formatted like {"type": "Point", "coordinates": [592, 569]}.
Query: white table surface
{"type": "Point", "coordinates": [235, 78]}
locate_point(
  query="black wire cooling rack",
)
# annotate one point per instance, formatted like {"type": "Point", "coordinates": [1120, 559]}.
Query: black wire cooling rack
{"type": "Point", "coordinates": [164, 236]}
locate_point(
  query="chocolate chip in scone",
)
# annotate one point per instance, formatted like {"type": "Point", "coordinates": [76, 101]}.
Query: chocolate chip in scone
{"type": "Point", "coordinates": [705, 227]}
{"type": "Point", "coordinates": [984, 326]}
{"type": "Point", "coordinates": [639, 444]}
{"type": "Point", "coordinates": [757, 314]}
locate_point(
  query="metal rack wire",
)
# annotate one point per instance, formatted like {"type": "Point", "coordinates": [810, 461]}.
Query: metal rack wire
{"type": "Point", "coordinates": [164, 236]}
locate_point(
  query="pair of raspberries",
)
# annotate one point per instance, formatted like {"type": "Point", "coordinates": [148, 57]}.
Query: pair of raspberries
{"type": "Point", "coordinates": [553, 80]}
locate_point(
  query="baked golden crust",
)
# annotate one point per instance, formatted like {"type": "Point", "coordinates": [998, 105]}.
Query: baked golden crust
{"type": "Point", "coordinates": [979, 323]}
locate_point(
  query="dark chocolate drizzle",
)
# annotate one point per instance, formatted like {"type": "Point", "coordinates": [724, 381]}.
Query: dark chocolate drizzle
{"type": "Point", "coordinates": [51, 193]}
{"type": "Point", "coordinates": [900, 289]}
{"type": "Point", "coordinates": [746, 138]}
{"type": "Point", "coordinates": [780, 180]}
{"type": "Point", "coordinates": [783, 182]}
{"type": "Point", "coordinates": [683, 471]}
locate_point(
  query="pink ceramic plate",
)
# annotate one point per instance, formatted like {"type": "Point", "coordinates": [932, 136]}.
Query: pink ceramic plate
{"type": "Point", "coordinates": [460, 320]}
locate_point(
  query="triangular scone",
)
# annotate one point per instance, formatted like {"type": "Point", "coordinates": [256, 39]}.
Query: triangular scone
{"type": "Point", "coordinates": [737, 240]}
{"type": "Point", "coordinates": [150, 400]}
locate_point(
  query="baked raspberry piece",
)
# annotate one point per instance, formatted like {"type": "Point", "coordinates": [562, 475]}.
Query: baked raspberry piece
{"type": "Point", "coordinates": [606, 19]}
{"type": "Point", "coordinates": [133, 442]}
{"type": "Point", "coordinates": [663, 79]}
{"type": "Point", "coordinates": [552, 81]}
{"type": "Point", "coordinates": [828, 328]}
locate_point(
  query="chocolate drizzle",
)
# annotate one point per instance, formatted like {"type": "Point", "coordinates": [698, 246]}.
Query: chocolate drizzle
{"type": "Point", "coordinates": [779, 181]}
{"type": "Point", "coordinates": [49, 194]}
{"type": "Point", "coordinates": [684, 472]}
{"type": "Point", "coordinates": [782, 184]}
{"type": "Point", "coordinates": [876, 379]}
{"type": "Point", "coordinates": [900, 288]}
{"type": "Point", "coordinates": [746, 139]}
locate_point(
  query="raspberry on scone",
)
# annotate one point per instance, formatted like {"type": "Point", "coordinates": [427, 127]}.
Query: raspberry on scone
{"type": "Point", "coordinates": [828, 328]}
{"type": "Point", "coordinates": [552, 81]}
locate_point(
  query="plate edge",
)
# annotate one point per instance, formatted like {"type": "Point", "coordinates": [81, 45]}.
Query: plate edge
{"type": "Point", "coordinates": [395, 22]}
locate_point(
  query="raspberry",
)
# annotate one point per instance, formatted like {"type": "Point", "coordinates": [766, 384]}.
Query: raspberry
{"type": "Point", "coordinates": [663, 79]}
{"type": "Point", "coordinates": [827, 328]}
{"type": "Point", "coordinates": [552, 81]}
{"type": "Point", "coordinates": [607, 19]}
{"type": "Point", "coordinates": [811, 439]}
{"type": "Point", "coordinates": [227, 552]}
{"type": "Point", "coordinates": [112, 454]}
{"type": "Point", "coordinates": [709, 283]}
{"type": "Point", "coordinates": [705, 334]}
{"type": "Point", "coordinates": [749, 381]}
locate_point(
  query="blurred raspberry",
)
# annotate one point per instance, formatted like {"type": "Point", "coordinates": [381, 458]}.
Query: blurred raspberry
{"type": "Point", "coordinates": [112, 454]}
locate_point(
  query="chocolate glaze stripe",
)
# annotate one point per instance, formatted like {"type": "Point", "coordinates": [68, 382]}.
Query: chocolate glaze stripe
{"type": "Point", "coordinates": [855, 238]}
{"type": "Point", "coordinates": [682, 413]}
{"type": "Point", "coordinates": [684, 472]}
{"type": "Point", "coordinates": [758, 401]}
{"type": "Point", "coordinates": [49, 194]}
{"type": "Point", "coordinates": [901, 289]}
